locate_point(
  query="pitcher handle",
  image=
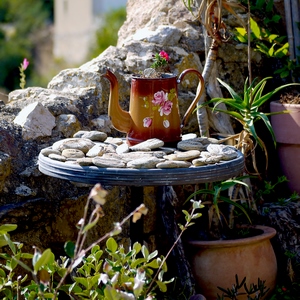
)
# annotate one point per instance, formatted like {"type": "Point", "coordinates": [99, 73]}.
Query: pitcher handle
{"type": "Point", "coordinates": [198, 94]}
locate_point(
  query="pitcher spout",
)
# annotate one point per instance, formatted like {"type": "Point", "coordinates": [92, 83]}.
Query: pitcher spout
{"type": "Point", "coordinates": [120, 119]}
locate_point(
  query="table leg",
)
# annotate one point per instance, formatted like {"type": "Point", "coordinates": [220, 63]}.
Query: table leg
{"type": "Point", "coordinates": [136, 229]}
{"type": "Point", "coordinates": [167, 203]}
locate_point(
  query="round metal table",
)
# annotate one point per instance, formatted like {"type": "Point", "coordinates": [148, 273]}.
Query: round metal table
{"type": "Point", "coordinates": [138, 178]}
{"type": "Point", "coordinates": [141, 177]}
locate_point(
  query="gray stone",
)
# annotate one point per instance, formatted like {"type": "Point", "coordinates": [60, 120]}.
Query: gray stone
{"type": "Point", "coordinates": [149, 73]}
{"type": "Point", "coordinates": [92, 135]}
{"type": "Point", "coordinates": [135, 155]}
{"type": "Point", "coordinates": [72, 153]}
{"type": "Point", "coordinates": [215, 149]}
{"type": "Point", "coordinates": [109, 148]}
{"type": "Point", "coordinates": [206, 141]}
{"type": "Point", "coordinates": [141, 154]}
{"type": "Point", "coordinates": [188, 136]}
{"type": "Point", "coordinates": [71, 161]}
{"type": "Point", "coordinates": [139, 148]}
{"type": "Point", "coordinates": [163, 35]}
{"type": "Point", "coordinates": [24, 191]}
{"type": "Point", "coordinates": [96, 150]}
{"type": "Point", "coordinates": [85, 161]}
{"type": "Point", "coordinates": [67, 124]}
{"type": "Point", "coordinates": [35, 120]}
{"type": "Point", "coordinates": [169, 164]}
{"type": "Point", "coordinates": [158, 154]}
{"type": "Point", "coordinates": [167, 150]}
{"type": "Point", "coordinates": [201, 161]}
{"type": "Point", "coordinates": [74, 143]}
{"type": "Point", "coordinates": [205, 154]}
{"type": "Point", "coordinates": [213, 140]}
{"type": "Point", "coordinates": [144, 163]}
{"type": "Point", "coordinates": [147, 145]}
{"type": "Point", "coordinates": [123, 148]}
{"type": "Point", "coordinates": [192, 144]}
{"type": "Point", "coordinates": [57, 157]}
{"type": "Point", "coordinates": [213, 159]}
{"type": "Point", "coordinates": [103, 123]}
{"type": "Point", "coordinates": [108, 162]}
{"type": "Point", "coordinates": [227, 152]}
{"type": "Point", "coordinates": [115, 141]}
{"type": "Point", "coordinates": [113, 155]}
{"type": "Point", "coordinates": [48, 151]}
{"type": "Point", "coordinates": [188, 155]}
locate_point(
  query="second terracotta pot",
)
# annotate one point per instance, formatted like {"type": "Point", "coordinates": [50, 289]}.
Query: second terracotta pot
{"type": "Point", "coordinates": [287, 133]}
{"type": "Point", "coordinates": [216, 263]}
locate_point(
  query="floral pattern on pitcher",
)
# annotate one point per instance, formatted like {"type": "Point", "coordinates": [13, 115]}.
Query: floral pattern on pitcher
{"type": "Point", "coordinates": [163, 104]}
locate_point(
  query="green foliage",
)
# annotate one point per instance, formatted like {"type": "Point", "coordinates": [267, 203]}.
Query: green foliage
{"type": "Point", "coordinates": [107, 34]}
{"type": "Point", "coordinates": [10, 281]}
{"type": "Point", "coordinates": [213, 196]}
{"type": "Point", "coordinates": [246, 110]}
{"type": "Point", "coordinates": [121, 274]}
{"type": "Point", "coordinates": [253, 292]}
{"type": "Point", "coordinates": [272, 45]}
{"type": "Point", "coordinates": [264, 10]}
{"type": "Point", "coordinates": [190, 217]}
{"type": "Point", "coordinates": [270, 190]}
{"type": "Point", "coordinates": [287, 289]}
{"type": "Point", "coordinates": [86, 273]}
{"type": "Point", "coordinates": [268, 39]}
{"type": "Point", "coordinates": [19, 21]}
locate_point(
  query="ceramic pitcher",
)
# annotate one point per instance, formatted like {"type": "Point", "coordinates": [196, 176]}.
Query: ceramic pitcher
{"type": "Point", "coordinates": [153, 108]}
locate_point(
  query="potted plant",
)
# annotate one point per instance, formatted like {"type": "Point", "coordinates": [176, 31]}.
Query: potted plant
{"type": "Point", "coordinates": [242, 251]}
{"type": "Point", "coordinates": [286, 129]}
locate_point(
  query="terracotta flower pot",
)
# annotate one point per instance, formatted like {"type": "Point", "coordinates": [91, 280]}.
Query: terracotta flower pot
{"type": "Point", "coordinates": [215, 263]}
{"type": "Point", "coordinates": [287, 132]}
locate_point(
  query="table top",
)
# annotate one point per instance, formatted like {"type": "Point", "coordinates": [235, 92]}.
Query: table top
{"type": "Point", "coordinates": [141, 177]}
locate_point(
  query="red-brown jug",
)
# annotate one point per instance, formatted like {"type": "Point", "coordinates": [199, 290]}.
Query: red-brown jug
{"type": "Point", "coordinates": [153, 108]}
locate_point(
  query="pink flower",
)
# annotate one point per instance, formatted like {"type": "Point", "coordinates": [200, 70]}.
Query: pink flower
{"type": "Point", "coordinates": [161, 60]}
{"type": "Point", "coordinates": [166, 108]}
{"type": "Point", "coordinates": [147, 122]}
{"type": "Point", "coordinates": [164, 55]}
{"type": "Point", "coordinates": [25, 64]}
{"type": "Point", "coordinates": [160, 98]}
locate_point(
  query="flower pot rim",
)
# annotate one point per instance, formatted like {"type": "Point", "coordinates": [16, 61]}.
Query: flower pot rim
{"type": "Point", "coordinates": [277, 103]}
{"type": "Point", "coordinates": [164, 76]}
{"type": "Point", "coordinates": [267, 234]}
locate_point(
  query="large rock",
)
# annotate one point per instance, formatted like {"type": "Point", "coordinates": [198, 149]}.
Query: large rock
{"type": "Point", "coordinates": [35, 121]}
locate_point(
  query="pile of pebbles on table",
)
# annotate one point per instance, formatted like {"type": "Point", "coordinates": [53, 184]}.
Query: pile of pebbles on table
{"type": "Point", "coordinates": [94, 148]}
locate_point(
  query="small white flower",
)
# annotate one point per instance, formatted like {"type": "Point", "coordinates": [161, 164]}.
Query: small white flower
{"type": "Point", "coordinates": [104, 278]}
